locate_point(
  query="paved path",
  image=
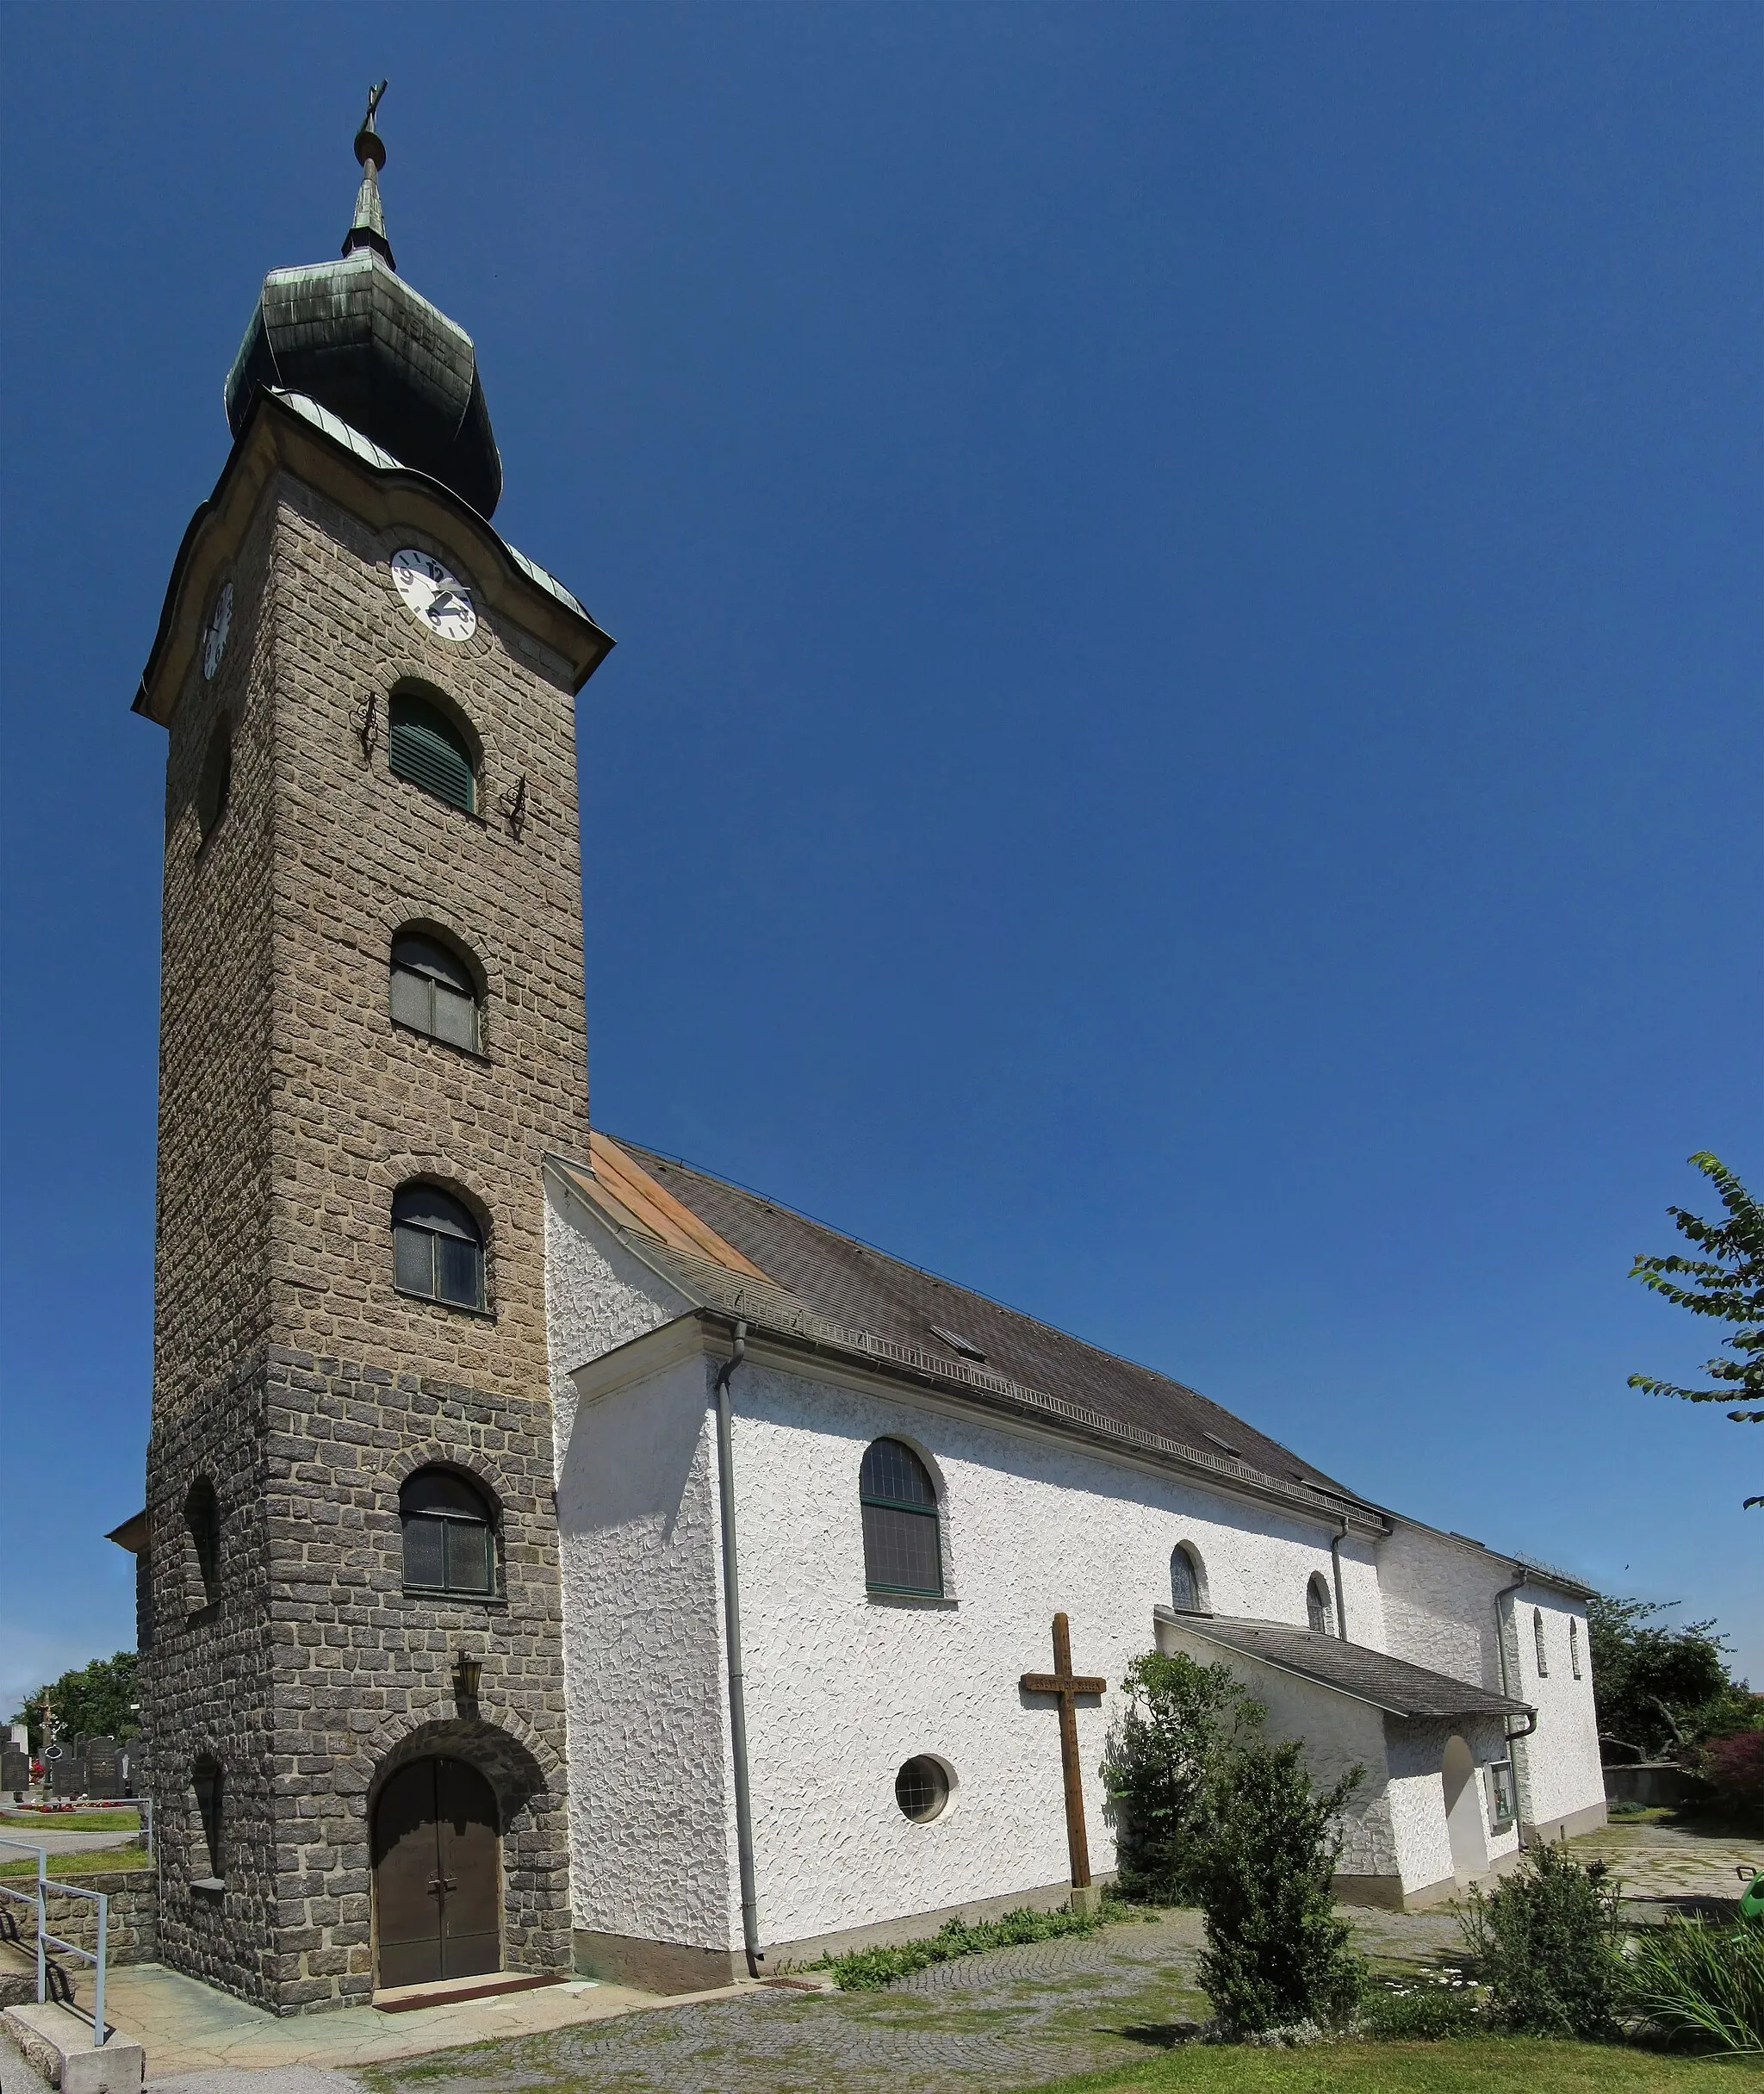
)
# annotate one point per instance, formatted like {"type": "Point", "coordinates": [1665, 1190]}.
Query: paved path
{"type": "Point", "coordinates": [1666, 1869]}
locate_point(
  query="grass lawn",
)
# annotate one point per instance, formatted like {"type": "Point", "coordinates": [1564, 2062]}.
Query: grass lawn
{"type": "Point", "coordinates": [71, 1821]}
{"type": "Point", "coordinates": [1478, 2065]}
{"type": "Point", "coordinates": [70, 1867]}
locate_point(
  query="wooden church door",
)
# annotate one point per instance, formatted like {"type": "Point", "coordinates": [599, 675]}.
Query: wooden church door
{"type": "Point", "coordinates": [438, 1875]}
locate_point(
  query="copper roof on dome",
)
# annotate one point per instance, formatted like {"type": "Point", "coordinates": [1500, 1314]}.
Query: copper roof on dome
{"type": "Point", "coordinates": [352, 335]}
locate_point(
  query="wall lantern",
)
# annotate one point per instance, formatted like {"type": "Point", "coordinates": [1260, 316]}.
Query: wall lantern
{"type": "Point", "coordinates": [466, 1672]}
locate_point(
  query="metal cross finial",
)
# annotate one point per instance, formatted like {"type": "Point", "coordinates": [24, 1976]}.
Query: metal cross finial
{"type": "Point", "coordinates": [367, 139]}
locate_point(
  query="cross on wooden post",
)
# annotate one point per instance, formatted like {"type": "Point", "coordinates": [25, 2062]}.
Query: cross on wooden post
{"type": "Point", "coordinates": [1068, 1686]}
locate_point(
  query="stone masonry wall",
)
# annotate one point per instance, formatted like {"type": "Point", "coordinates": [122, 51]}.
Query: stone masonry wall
{"type": "Point", "coordinates": [368, 1383]}
{"type": "Point", "coordinates": [205, 1683]}
{"type": "Point", "coordinates": [288, 1367]}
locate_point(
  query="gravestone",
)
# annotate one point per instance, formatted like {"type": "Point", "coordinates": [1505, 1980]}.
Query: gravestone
{"type": "Point", "coordinates": [14, 1769]}
{"type": "Point", "coordinates": [103, 1758]}
{"type": "Point", "coordinates": [64, 1769]}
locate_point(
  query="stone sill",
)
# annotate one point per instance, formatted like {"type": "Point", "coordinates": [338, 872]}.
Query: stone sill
{"type": "Point", "coordinates": [453, 1309]}
{"type": "Point", "coordinates": [210, 1886]}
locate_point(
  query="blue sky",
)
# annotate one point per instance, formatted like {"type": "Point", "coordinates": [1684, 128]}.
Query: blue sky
{"type": "Point", "coordinates": [1187, 581]}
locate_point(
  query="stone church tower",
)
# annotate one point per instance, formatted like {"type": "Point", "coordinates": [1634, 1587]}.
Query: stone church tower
{"type": "Point", "coordinates": [372, 1030]}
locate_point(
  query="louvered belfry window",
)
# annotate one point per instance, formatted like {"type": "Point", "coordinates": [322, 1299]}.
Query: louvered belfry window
{"type": "Point", "coordinates": [433, 990]}
{"type": "Point", "coordinates": [438, 1250]}
{"type": "Point", "coordinates": [429, 749]}
{"type": "Point", "coordinates": [903, 1551]}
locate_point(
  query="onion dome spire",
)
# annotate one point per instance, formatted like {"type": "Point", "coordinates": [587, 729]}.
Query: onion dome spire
{"type": "Point", "coordinates": [368, 228]}
{"type": "Point", "coordinates": [362, 341]}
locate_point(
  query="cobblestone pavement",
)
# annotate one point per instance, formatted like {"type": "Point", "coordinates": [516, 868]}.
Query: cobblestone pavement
{"type": "Point", "coordinates": [1668, 1867]}
{"type": "Point", "coordinates": [1014, 2018]}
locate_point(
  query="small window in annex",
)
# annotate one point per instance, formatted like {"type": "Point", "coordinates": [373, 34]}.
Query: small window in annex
{"type": "Point", "coordinates": [428, 749]}
{"type": "Point", "coordinates": [217, 780]}
{"type": "Point", "coordinates": [1187, 1584]}
{"type": "Point", "coordinates": [1318, 1610]}
{"type": "Point", "coordinates": [1537, 1638]}
{"type": "Point", "coordinates": [438, 1248]}
{"type": "Point", "coordinates": [921, 1789]}
{"type": "Point", "coordinates": [433, 990]}
{"type": "Point", "coordinates": [902, 1551]}
{"type": "Point", "coordinates": [1573, 1646]}
{"type": "Point", "coordinates": [449, 1536]}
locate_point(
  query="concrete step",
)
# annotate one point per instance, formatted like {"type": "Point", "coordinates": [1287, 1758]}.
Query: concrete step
{"type": "Point", "coordinates": [57, 2044]}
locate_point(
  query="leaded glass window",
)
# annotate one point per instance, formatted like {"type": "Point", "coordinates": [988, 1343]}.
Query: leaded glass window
{"type": "Point", "coordinates": [449, 1544]}
{"type": "Point", "coordinates": [438, 1248]}
{"type": "Point", "coordinates": [1317, 1607]}
{"type": "Point", "coordinates": [1185, 1595]}
{"type": "Point", "coordinates": [1573, 1646]}
{"type": "Point", "coordinates": [427, 749]}
{"type": "Point", "coordinates": [902, 1551]}
{"type": "Point", "coordinates": [433, 990]}
{"type": "Point", "coordinates": [1537, 1638]}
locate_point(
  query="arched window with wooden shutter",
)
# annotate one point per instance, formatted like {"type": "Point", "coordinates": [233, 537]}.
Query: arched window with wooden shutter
{"type": "Point", "coordinates": [429, 750]}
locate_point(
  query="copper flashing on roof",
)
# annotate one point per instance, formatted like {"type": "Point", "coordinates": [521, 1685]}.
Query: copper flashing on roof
{"type": "Point", "coordinates": [631, 1199]}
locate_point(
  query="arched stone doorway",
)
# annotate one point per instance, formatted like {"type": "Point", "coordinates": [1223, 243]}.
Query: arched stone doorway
{"type": "Point", "coordinates": [1464, 1811]}
{"type": "Point", "coordinates": [438, 1875]}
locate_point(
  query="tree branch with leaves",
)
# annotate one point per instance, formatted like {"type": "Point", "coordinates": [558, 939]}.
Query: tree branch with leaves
{"type": "Point", "coordinates": [1726, 1281]}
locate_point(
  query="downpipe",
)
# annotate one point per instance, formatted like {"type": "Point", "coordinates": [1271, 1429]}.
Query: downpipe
{"type": "Point", "coordinates": [1511, 1738]}
{"type": "Point", "coordinates": [731, 1622]}
{"type": "Point", "coordinates": [1335, 1564]}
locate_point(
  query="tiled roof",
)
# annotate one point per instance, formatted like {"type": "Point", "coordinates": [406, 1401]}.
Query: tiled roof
{"type": "Point", "coordinates": [851, 1285]}
{"type": "Point", "coordinates": [1391, 1684]}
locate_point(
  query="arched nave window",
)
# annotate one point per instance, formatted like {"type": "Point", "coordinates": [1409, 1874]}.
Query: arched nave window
{"type": "Point", "coordinates": [902, 1549]}
{"type": "Point", "coordinates": [1188, 1579]}
{"type": "Point", "coordinates": [1318, 1610]}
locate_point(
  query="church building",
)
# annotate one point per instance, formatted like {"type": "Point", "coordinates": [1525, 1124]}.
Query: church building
{"type": "Point", "coordinates": [556, 1558]}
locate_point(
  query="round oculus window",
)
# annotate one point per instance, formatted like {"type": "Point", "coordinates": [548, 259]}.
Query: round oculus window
{"type": "Point", "coordinates": [921, 1789]}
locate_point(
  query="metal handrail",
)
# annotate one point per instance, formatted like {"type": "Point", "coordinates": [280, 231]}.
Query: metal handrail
{"type": "Point", "coordinates": [45, 1884]}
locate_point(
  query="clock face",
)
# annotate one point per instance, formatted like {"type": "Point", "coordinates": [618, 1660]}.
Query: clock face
{"type": "Point", "coordinates": [440, 600]}
{"type": "Point", "coordinates": [215, 632]}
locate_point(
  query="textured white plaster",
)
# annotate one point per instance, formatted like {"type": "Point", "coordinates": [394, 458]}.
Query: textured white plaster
{"type": "Point", "coordinates": [842, 1687]}
{"type": "Point", "coordinates": [1337, 1734]}
{"type": "Point", "coordinates": [651, 1849]}
{"type": "Point", "coordinates": [1439, 1605]}
{"type": "Point", "coordinates": [651, 1853]}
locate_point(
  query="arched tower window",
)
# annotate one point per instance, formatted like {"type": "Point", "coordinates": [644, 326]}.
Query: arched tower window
{"type": "Point", "coordinates": [902, 1549]}
{"type": "Point", "coordinates": [449, 1535]}
{"type": "Point", "coordinates": [1318, 1610]}
{"type": "Point", "coordinates": [1573, 1646]}
{"type": "Point", "coordinates": [433, 990]}
{"type": "Point", "coordinates": [201, 1522]}
{"type": "Point", "coordinates": [437, 1247]}
{"type": "Point", "coordinates": [428, 749]}
{"type": "Point", "coordinates": [1188, 1581]}
{"type": "Point", "coordinates": [217, 780]}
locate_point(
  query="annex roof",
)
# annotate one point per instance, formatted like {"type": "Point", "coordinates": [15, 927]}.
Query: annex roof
{"type": "Point", "coordinates": [1390, 1683]}
{"type": "Point", "coordinates": [749, 1256]}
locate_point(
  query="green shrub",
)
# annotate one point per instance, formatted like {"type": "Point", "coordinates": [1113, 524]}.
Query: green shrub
{"type": "Point", "coordinates": [1276, 1952]}
{"type": "Point", "coordinates": [1160, 1761]}
{"type": "Point", "coordinates": [1702, 1983]}
{"type": "Point", "coordinates": [1548, 1944]}
{"type": "Point", "coordinates": [866, 1969]}
{"type": "Point", "coordinates": [1423, 2008]}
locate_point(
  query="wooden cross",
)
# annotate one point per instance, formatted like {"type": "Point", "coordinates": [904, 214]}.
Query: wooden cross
{"type": "Point", "coordinates": [1068, 1686]}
